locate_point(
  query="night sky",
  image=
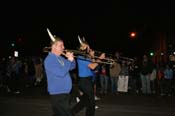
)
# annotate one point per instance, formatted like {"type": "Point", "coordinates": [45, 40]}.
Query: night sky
{"type": "Point", "coordinates": [99, 22]}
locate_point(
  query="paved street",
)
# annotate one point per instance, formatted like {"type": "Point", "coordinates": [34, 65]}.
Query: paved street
{"type": "Point", "coordinates": [35, 102]}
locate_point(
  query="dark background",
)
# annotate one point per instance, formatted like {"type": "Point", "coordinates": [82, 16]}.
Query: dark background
{"type": "Point", "coordinates": [106, 25]}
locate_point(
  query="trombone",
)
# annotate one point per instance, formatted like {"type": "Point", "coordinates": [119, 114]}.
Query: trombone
{"type": "Point", "coordinates": [79, 52]}
{"type": "Point", "coordinates": [126, 58]}
{"type": "Point", "coordinates": [112, 57]}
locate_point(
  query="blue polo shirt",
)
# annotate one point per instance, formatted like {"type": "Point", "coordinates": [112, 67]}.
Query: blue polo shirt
{"type": "Point", "coordinates": [83, 69]}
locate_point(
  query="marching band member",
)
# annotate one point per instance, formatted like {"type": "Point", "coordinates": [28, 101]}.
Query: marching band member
{"type": "Point", "coordinates": [59, 83]}
{"type": "Point", "coordinates": [85, 83]}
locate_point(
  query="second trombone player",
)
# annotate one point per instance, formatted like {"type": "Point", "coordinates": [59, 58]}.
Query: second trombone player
{"type": "Point", "coordinates": [85, 84]}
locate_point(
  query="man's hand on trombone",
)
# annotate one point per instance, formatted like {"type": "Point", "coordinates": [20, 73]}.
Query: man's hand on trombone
{"type": "Point", "coordinates": [69, 55]}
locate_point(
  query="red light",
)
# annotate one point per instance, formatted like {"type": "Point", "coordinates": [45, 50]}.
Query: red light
{"type": "Point", "coordinates": [133, 34]}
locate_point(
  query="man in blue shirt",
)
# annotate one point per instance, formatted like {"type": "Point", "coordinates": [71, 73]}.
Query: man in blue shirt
{"type": "Point", "coordinates": [85, 83]}
{"type": "Point", "coordinates": [57, 65]}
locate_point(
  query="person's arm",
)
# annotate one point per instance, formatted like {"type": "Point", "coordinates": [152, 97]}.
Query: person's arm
{"type": "Point", "coordinates": [96, 62]}
{"type": "Point", "coordinates": [70, 57]}
{"type": "Point", "coordinates": [55, 68]}
{"type": "Point", "coordinates": [92, 66]}
{"type": "Point", "coordinates": [73, 65]}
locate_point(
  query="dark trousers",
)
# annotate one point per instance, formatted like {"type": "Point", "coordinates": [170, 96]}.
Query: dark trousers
{"type": "Point", "coordinates": [14, 82]}
{"type": "Point", "coordinates": [87, 99]}
{"type": "Point", "coordinates": [61, 105]}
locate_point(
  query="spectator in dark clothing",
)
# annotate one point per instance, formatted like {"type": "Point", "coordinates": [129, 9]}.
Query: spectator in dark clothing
{"type": "Point", "coordinates": [146, 69]}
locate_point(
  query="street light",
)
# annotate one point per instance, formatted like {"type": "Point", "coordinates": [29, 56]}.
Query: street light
{"type": "Point", "coordinates": [151, 53]}
{"type": "Point", "coordinates": [15, 53]}
{"type": "Point", "coordinates": [133, 35]}
{"type": "Point", "coordinates": [12, 44]}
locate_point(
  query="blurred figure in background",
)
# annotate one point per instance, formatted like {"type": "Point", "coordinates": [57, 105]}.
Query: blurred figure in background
{"type": "Point", "coordinates": [146, 69]}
